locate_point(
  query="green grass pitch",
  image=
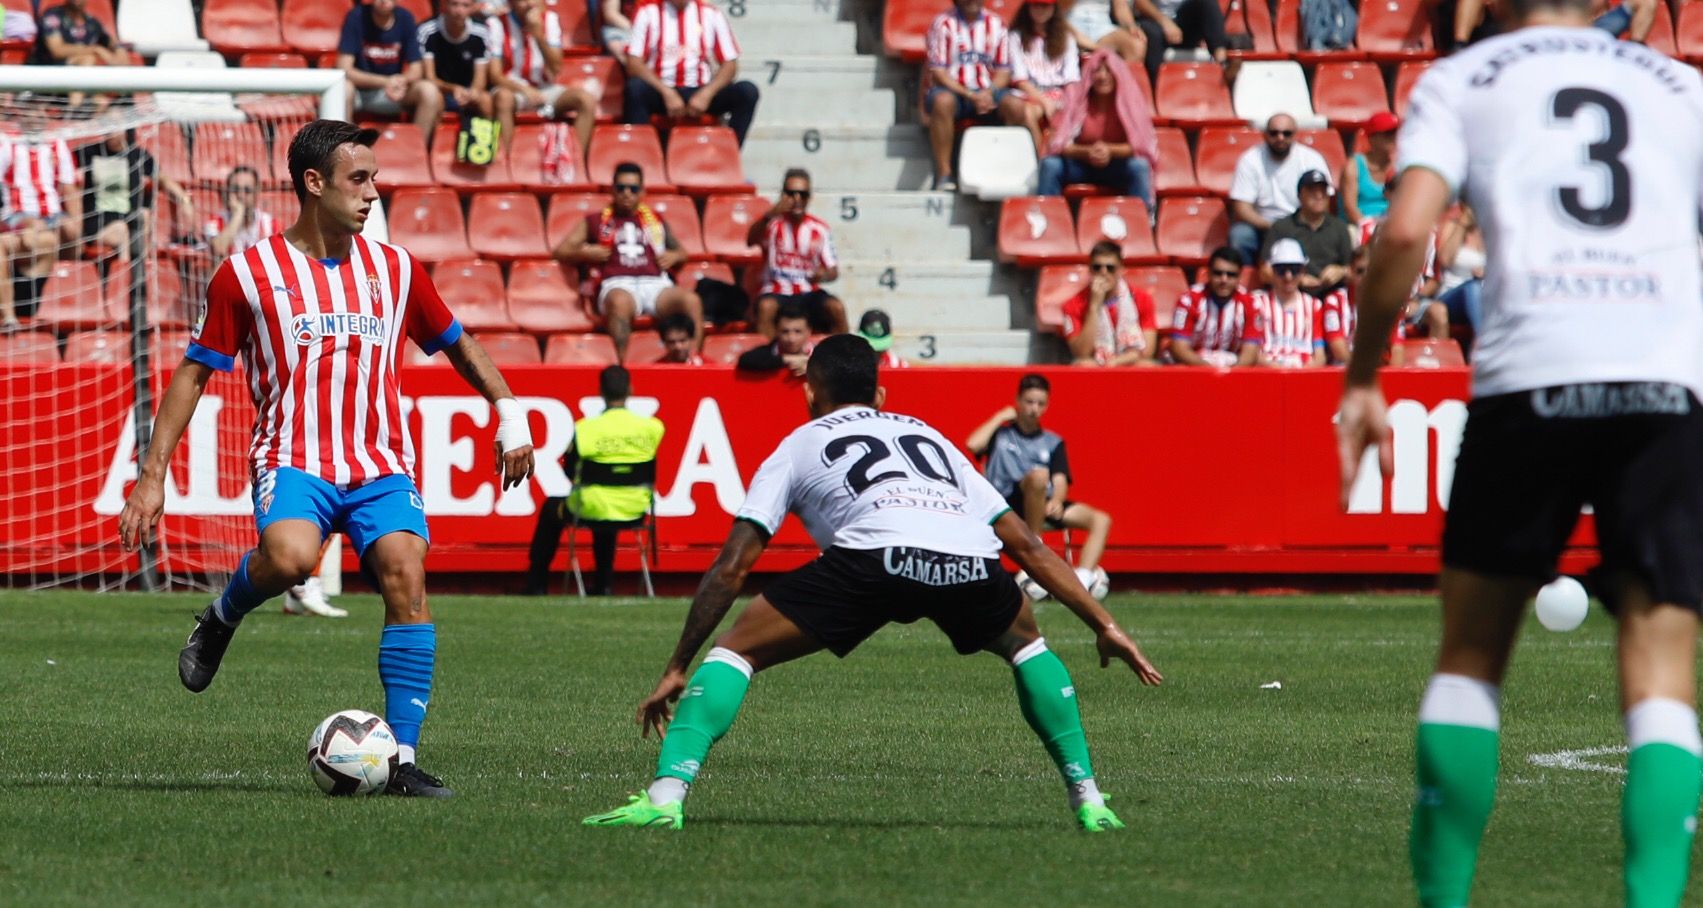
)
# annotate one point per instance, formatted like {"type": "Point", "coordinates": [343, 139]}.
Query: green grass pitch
{"type": "Point", "coordinates": [901, 775]}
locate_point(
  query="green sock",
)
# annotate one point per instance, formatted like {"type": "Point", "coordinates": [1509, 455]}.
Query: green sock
{"type": "Point", "coordinates": [1658, 816]}
{"type": "Point", "coordinates": [1457, 767]}
{"type": "Point", "coordinates": [707, 710]}
{"type": "Point", "coordinates": [1048, 698]}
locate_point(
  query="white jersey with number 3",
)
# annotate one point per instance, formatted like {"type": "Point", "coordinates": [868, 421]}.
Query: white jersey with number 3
{"type": "Point", "coordinates": [863, 479]}
{"type": "Point", "coordinates": [1583, 158]}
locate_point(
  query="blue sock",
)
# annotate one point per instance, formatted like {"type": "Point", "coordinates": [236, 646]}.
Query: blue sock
{"type": "Point", "coordinates": [406, 655]}
{"type": "Point", "coordinates": [239, 597]}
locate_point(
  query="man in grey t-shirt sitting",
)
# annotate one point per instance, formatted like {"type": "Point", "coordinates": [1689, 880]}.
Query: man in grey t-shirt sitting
{"type": "Point", "coordinates": [1027, 464]}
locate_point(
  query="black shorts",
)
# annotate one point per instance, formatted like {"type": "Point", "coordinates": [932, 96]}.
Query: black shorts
{"type": "Point", "coordinates": [848, 594]}
{"type": "Point", "coordinates": [814, 304]}
{"type": "Point", "coordinates": [1530, 460]}
{"type": "Point", "coordinates": [1015, 501]}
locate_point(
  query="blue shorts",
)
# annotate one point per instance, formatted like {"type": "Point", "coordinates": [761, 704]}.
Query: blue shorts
{"type": "Point", "coordinates": [365, 512]}
{"type": "Point", "coordinates": [966, 110]}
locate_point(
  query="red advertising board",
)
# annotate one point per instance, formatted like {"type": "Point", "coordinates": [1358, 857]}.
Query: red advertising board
{"type": "Point", "coordinates": [1202, 471]}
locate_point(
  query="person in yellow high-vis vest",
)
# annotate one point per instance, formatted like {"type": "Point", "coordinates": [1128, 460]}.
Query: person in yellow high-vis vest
{"type": "Point", "coordinates": [612, 463]}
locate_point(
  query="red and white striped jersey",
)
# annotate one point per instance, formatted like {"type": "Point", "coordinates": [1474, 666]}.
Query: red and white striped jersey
{"type": "Point", "coordinates": [517, 54]}
{"type": "Point", "coordinates": [33, 173]}
{"type": "Point", "coordinates": [968, 51]}
{"type": "Point", "coordinates": [321, 344]}
{"type": "Point", "coordinates": [1216, 329]}
{"type": "Point", "coordinates": [892, 360]}
{"type": "Point", "coordinates": [793, 252]}
{"type": "Point", "coordinates": [1293, 331]}
{"type": "Point", "coordinates": [264, 225]}
{"type": "Point", "coordinates": [680, 43]}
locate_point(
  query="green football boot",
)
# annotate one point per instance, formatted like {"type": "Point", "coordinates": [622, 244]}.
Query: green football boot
{"type": "Point", "coordinates": [1092, 819]}
{"type": "Point", "coordinates": [641, 812]}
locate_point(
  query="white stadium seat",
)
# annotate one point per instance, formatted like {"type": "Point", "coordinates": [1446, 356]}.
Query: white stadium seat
{"type": "Point", "coordinates": [376, 228]}
{"type": "Point", "coordinates": [1264, 88]}
{"type": "Point", "coordinates": [153, 27]}
{"type": "Point", "coordinates": [196, 107]}
{"type": "Point", "coordinates": [997, 162]}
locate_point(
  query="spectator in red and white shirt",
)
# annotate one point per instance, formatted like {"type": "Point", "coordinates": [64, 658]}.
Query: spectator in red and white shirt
{"type": "Point", "coordinates": [1292, 321]}
{"type": "Point", "coordinates": [679, 341]}
{"type": "Point", "coordinates": [526, 57]}
{"type": "Point", "coordinates": [798, 258]}
{"type": "Point", "coordinates": [968, 71]}
{"type": "Point", "coordinates": [681, 62]}
{"type": "Point", "coordinates": [43, 210]}
{"type": "Point", "coordinates": [877, 327]}
{"type": "Point", "coordinates": [1215, 323]}
{"type": "Point", "coordinates": [1341, 311]}
{"type": "Point", "coordinates": [1110, 323]}
{"type": "Point", "coordinates": [241, 224]}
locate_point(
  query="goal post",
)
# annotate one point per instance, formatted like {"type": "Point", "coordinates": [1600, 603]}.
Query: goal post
{"type": "Point", "coordinates": [104, 321]}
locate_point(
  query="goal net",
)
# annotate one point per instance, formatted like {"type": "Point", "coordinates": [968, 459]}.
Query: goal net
{"type": "Point", "coordinates": [120, 191]}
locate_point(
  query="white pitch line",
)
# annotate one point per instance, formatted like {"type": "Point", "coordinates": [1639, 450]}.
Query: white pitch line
{"type": "Point", "coordinates": [1580, 760]}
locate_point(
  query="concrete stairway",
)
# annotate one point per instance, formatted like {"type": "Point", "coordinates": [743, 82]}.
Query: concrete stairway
{"type": "Point", "coordinates": [849, 119]}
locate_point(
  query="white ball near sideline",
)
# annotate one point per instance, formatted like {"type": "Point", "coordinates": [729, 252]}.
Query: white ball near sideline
{"type": "Point", "coordinates": [1095, 582]}
{"type": "Point", "coordinates": [1030, 588]}
{"type": "Point", "coordinates": [1562, 604]}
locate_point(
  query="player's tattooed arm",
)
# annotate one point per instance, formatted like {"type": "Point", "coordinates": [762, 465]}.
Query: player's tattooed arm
{"type": "Point", "coordinates": [718, 589]}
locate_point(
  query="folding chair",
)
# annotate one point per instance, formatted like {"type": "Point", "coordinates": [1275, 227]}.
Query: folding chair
{"type": "Point", "coordinates": [616, 474]}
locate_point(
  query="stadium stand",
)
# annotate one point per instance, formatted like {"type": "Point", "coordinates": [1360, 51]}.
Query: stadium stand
{"type": "Point", "coordinates": [681, 216]}
{"type": "Point", "coordinates": [1190, 227]}
{"type": "Point", "coordinates": [402, 158]}
{"type": "Point", "coordinates": [428, 223]}
{"type": "Point", "coordinates": [508, 348]}
{"type": "Point", "coordinates": [1175, 174]}
{"type": "Point", "coordinates": [1688, 33]}
{"type": "Point", "coordinates": [445, 170]}
{"type": "Point", "coordinates": [1264, 88]}
{"type": "Point", "coordinates": [1037, 230]}
{"type": "Point", "coordinates": [724, 349]}
{"type": "Point", "coordinates": [1395, 30]}
{"type": "Point", "coordinates": [1348, 94]}
{"type": "Point", "coordinates": [1192, 95]}
{"type": "Point", "coordinates": [313, 26]}
{"type": "Point", "coordinates": [526, 162]}
{"type": "Point", "coordinates": [726, 220]}
{"type": "Point", "coordinates": [1122, 220]}
{"type": "Point", "coordinates": [29, 347]}
{"type": "Point", "coordinates": [644, 347]}
{"type": "Point", "coordinates": [237, 27]}
{"type": "Point", "coordinates": [586, 349]}
{"type": "Point", "coordinates": [543, 300]}
{"type": "Point", "coordinates": [1220, 148]}
{"type": "Point", "coordinates": [72, 299]}
{"type": "Point", "coordinates": [506, 226]}
{"type": "Point", "coordinates": [612, 144]}
{"type": "Point", "coordinates": [703, 160]}
{"type": "Point", "coordinates": [97, 347]}
{"type": "Point", "coordinates": [473, 288]}
{"type": "Point", "coordinates": [157, 26]}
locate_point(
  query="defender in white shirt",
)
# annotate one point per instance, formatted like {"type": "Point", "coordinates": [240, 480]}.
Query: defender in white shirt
{"type": "Point", "coordinates": [1583, 157]}
{"type": "Point", "coordinates": [909, 530]}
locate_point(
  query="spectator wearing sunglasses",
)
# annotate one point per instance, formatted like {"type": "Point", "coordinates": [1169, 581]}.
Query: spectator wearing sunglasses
{"type": "Point", "coordinates": [1327, 239]}
{"type": "Point", "coordinates": [1291, 321]}
{"type": "Point", "coordinates": [1110, 323]}
{"type": "Point", "coordinates": [1263, 188]}
{"type": "Point", "coordinates": [1215, 323]}
{"type": "Point", "coordinates": [798, 258]}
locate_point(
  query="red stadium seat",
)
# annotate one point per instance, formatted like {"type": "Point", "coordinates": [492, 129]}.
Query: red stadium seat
{"type": "Point", "coordinates": [507, 348]}
{"type": "Point", "coordinates": [473, 288]}
{"type": "Point", "coordinates": [1395, 30]}
{"type": "Point", "coordinates": [681, 216]}
{"type": "Point", "coordinates": [283, 205]}
{"type": "Point", "coordinates": [167, 305]}
{"type": "Point", "coordinates": [466, 176]}
{"type": "Point", "coordinates": [29, 347]}
{"type": "Point", "coordinates": [1138, 70]}
{"type": "Point", "coordinates": [611, 145]}
{"type": "Point", "coordinates": [603, 78]}
{"type": "Point", "coordinates": [1688, 34]}
{"type": "Point", "coordinates": [402, 159]}
{"type": "Point", "coordinates": [568, 209]}
{"type": "Point", "coordinates": [1165, 285]}
{"type": "Point", "coordinates": [726, 220]}
{"type": "Point", "coordinates": [1194, 94]}
{"type": "Point", "coordinates": [704, 160]}
{"type": "Point", "coordinates": [72, 299]}
{"type": "Point", "coordinates": [1407, 75]}
{"type": "Point", "coordinates": [1348, 94]}
{"type": "Point", "coordinates": [1220, 148]}
{"type": "Point", "coordinates": [1191, 227]}
{"type": "Point", "coordinates": [272, 61]}
{"type": "Point", "coordinates": [421, 9]}
{"type": "Point", "coordinates": [575, 17]}
{"type": "Point", "coordinates": [506, 226]}
{"type": "Point", "coordinates": [1661, 37]}
{"type": "Point", "coordinates": [904, 27]}
{"type": "Point", "coordinates": [242, 26]}
{"type": "Point", "coordinates": [1262, 30]}
{"type": "Point", "coordinates": [312, 26]}
{"type": "Point", "coordinates": [724, 349]}
{"type": "Point", "coordinates": [1432, 354]}
{"type": "Point", "coordinates": [98, 347]}
{"type": "Point", "coordinates": [688, 275]}
{"type": "Point", "coordinates": [1056, 285]}
{"type": "Point", "coordinates": [222, 146]}
{"type": "Point", "coordinates": [644, 347]}
{"type": "Point", "coordinates": [427, 222]}
{"type": "Point", "coordinates": [1037, 230]}
{"type": "Point", "coordinates": [1121, 219]}
{"type": "Point", "coordinates": [580, 349]}
{"type": "Point", "coordinates": [526, 162]}
{"type": "Point", "coordinates": [544, 299]}
{"type": "Point", "coordinates": [1328, 143]}
{"type": "Point", "coordinates": [1175, 173]}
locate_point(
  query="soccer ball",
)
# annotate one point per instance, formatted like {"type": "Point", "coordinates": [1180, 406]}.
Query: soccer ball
{"type": "Point", "coordinates": [1030, 588]}
{"type": "Point", "coordinates": [351, 753]}
{"type": "Point", "coordinates": [1095, 582]}
{"type": "Point", "coordinates": [1562, 604]}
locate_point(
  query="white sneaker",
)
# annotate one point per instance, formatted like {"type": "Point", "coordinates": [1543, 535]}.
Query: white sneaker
{"type": "Point", "coordinates": [308, 598]}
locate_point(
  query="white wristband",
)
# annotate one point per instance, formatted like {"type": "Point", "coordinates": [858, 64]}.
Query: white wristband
{"type": "Point", "coordinates": [512, 430]}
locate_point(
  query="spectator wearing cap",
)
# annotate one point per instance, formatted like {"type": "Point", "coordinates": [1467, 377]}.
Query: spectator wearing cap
{"type": "Point", "coordinates": [798, 258]}
{"type": "Point", "coordinates": [1103, 134]}
{"type": "Point", "coordinates": [967, 73]}
{"type": "Point", "coordinates": [1291, 321]}
{"type": "Point", "coordinates": [682, 60]}
{"type": "Point", "coordinates": [1110, 323]}
{"type": "Point", "coordinates": [1263, 188]}
{"type": "Point", "coordinates": [877, 328]}
{"type": "Point", "coordinates": [1325, 238]}
{"type": "Point", "coordinates": [1364, 175]}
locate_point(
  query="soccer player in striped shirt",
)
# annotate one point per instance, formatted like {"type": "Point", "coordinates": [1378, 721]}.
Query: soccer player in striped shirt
{"type": "Point", "coordinates": [320, 315]}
